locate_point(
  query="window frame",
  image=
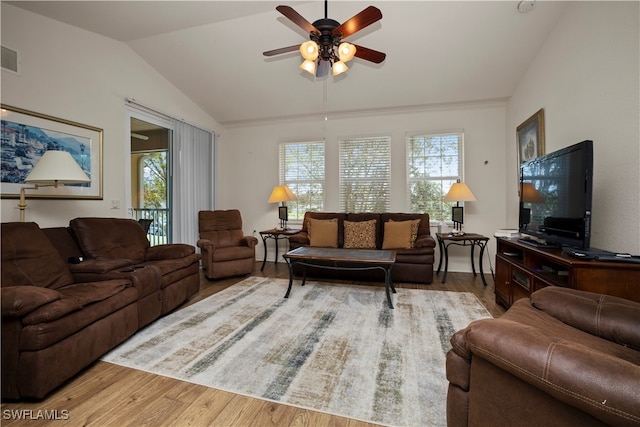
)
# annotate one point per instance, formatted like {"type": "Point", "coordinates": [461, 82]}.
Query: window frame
{"type": "Point", "coordinates": [296, 209]}
{"type": "Point", "coordinates": [442, 181]}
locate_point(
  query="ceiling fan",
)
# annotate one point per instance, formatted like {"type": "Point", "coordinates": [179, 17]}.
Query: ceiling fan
{"type": "Point", "coordinates": [326, 48]}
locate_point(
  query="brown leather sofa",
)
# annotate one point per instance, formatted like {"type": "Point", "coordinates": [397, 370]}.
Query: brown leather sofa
{"type": "Point", "coordinates": [54, 325]}
{"type": "Point", "coordinates": [563, 358]}
{"type": "Point", "coordinates": [413, 265]}
{"type": "Point", "coordinates": [58, 317]}
{"type": "Point", "coordinates": [226, 251]}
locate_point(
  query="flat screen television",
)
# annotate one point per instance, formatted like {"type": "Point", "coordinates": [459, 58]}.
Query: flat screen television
{"type": "Point", "coordinates": [555, 197]}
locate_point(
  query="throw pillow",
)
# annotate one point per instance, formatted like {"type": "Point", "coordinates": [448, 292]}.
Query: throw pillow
{"type": "Point", "coordinates": [323, 232]}
{"type": "Point", "coordinates": [360, 234]}
{"type": "Point", "coordinates": [397, 235]}
{"type": "Point", "coordinates": [415, 224]}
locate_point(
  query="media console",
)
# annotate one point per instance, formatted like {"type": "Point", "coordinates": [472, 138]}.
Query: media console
{"type": "Point", "coordinates": [522, 269]}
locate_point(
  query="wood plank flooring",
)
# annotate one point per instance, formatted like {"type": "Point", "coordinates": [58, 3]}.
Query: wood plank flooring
{"type": "Point", "coordinates": [110, 395]}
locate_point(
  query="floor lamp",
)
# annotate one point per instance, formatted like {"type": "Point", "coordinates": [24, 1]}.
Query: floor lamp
{"type": "Point", "coordinates": [53, 168]}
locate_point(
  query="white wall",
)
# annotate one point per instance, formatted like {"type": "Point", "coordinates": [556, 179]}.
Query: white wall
{"type": "Point", "coordinates": [587, 79]}
{"type": "Point", "coordinates": [249, 163]}
{"type": "Point", "coordinates": [69, 73]}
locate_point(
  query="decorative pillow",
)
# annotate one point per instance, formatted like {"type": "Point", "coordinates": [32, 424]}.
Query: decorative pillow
{"type": "Point", "coordinates": [415, 224]}
{"type": "Point", "coordinates": [360, 234]}
{"type": "Point", "coordinates": [323, 232]}
{"type": "Point", "coordinates": [397, 235]}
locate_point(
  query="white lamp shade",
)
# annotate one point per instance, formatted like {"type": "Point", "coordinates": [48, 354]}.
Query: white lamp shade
{"type": "Point", "coordinates": [339, 68]}
{"type": "Point", "coordinates": [309, 66]}
{"type": "Point", "coordinates": [309, 50]}
{"type": "Point", "coordinates": [459, 192]}
{"type": "Point", "coordinates": [281, 193]}
{"type": "Point", "coordinates": [57, 167]}
{"type": "Point", "coordinates": [346, 52]}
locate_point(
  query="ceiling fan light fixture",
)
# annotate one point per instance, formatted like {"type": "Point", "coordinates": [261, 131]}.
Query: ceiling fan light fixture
{"type": "Point", "coordinates": [339, 67]}
{"type": "Point", "coordinates": [309, 66]}
{"type": "Point", "coordinates": [346, 51]}
{"type": "Point", "coordinates": [309, 50]}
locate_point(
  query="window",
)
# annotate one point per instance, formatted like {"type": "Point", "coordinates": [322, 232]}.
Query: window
{"type": "Point", "coordinates": [365, 174]}
{"type": "Point", "coordinates": [434, 163]}
{"type": "Point", "coordinates": [302, 169]}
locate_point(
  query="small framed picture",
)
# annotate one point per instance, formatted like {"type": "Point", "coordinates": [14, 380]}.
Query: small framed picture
{"type": "Point", "coordinates": [531, 137]}
{"type": "Point", "coordinates": [283, 213]}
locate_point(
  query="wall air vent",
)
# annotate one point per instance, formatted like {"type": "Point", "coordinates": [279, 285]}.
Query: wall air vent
{"type": "Point", "coordinates": [10, 60]}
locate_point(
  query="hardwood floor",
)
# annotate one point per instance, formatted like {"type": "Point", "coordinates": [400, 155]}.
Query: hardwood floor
{"type": "Point", "coordinates": [110, 395]}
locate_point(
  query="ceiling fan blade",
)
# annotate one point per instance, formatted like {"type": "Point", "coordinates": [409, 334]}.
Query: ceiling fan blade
{"type": "Point", "coordinates": [297, 19]}
{"type": "Point", "coordinates": [361, 20]}
{"type": "Point", "coordinates": [369, 54]}
{"type": "Point", "coordinates": [281, 50]}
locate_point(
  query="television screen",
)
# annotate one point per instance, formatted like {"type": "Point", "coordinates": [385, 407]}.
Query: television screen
{"type": "Point", "coordinates": [555, 197]}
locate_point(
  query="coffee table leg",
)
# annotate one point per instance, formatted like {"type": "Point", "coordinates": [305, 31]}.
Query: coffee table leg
{"type": "Point", "coordinates": [290, 278]}
{"type": "Point", "coordinates": [388, 284]}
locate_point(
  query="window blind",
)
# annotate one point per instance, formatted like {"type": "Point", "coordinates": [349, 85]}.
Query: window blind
{"type": "Point", "coordinates": [365, 174]}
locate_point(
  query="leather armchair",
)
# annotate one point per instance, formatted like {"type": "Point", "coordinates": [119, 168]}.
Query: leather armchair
{"type": "Point", "coordinates": [564, 357]}
{"type": "Point", "coordinates": [226, 251]}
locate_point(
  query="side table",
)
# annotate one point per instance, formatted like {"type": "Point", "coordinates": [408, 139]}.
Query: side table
{"type": "Point", "coordinates": [466, 239]}
{"type": "Point", "coordinates": [276, 235]}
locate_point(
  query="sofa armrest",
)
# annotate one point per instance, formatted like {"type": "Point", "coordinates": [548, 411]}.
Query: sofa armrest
{"type": "Point", "coordinates": [301, 238]}
{"type": "Point", "coordinates": [425, 241]}
{"type": "Point", "coordinates": [169, 251]}
{"type": "Point", "coordinates": [599, 384]}
{"type": "Point", "coordinates": [18, 301]}
{"type": "Point", "coordinates": [207, 245]}
{"type": "Point", "coordinates": [250, 241]}
{"type": "Point", "coordinates": [614, 319]}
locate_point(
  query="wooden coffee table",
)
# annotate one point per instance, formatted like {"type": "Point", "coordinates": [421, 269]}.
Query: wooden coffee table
{"type": "Point", "coordinates": [342, 259]}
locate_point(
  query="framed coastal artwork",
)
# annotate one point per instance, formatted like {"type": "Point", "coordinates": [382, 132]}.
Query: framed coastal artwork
{"type": "Point", "coordinates": [531, 137]}
{"type": "Point", "coordinates": [27, 135]}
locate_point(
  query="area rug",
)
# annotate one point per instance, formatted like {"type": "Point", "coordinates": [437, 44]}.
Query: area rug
{"type": "Point", "coordinates": [329, 347]}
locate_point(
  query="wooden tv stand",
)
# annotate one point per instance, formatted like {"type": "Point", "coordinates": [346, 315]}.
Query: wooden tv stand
{"type": "Point", "coordinates": [522, 269]}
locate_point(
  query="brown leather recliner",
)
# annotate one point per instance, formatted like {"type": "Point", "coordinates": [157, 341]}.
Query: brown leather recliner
{"type": "Point", "coordinates": [226, 251]}
{"type": "Point", "coordinates": [53, 325]}
{"type": "Point", "coordinates": [563, 358]}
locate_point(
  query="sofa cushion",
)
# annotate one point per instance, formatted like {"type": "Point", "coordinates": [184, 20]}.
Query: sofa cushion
{"type": "Point", "coordinates": [360, 234]}
{"type": "Point", "coordinates": [323, 233]}
{"type": "Point", "coordinates": [29, 258]}
{"type": "Point", "coordinates": [111, 238]}
{"type": "Point", "coordinates": [397, 235]}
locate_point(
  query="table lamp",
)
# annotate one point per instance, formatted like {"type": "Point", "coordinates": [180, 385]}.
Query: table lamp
{"type": "Point", "coordinates": [459, 192]}
{"type": "Point", "coordinates": [282, 193]}
{"type": "Point", "coordinates": [53, 168]}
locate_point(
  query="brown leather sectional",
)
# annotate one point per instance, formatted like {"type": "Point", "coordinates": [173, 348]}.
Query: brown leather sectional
{"type": "Point", "coordinates": [413, 265]}
{"type": "Point", "coordinates": [60, 316]}
{"type": "Point", "coordinates": [564, 358]}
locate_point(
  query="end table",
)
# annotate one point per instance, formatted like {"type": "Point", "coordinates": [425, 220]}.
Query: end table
{"type": "Point", "coordinates": [466, 239]}
{"type": "Point", "coordinates": [275, 234]}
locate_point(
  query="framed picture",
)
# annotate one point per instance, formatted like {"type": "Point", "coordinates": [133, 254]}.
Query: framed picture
{"type": "Point", "coordinates": [531, 137]}
{"type": "Point", "coordinates": [25, 138]}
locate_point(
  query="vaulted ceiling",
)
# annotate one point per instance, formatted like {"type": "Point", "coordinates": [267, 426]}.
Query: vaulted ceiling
{"type": "Point", "coordinates": [438, 52]}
